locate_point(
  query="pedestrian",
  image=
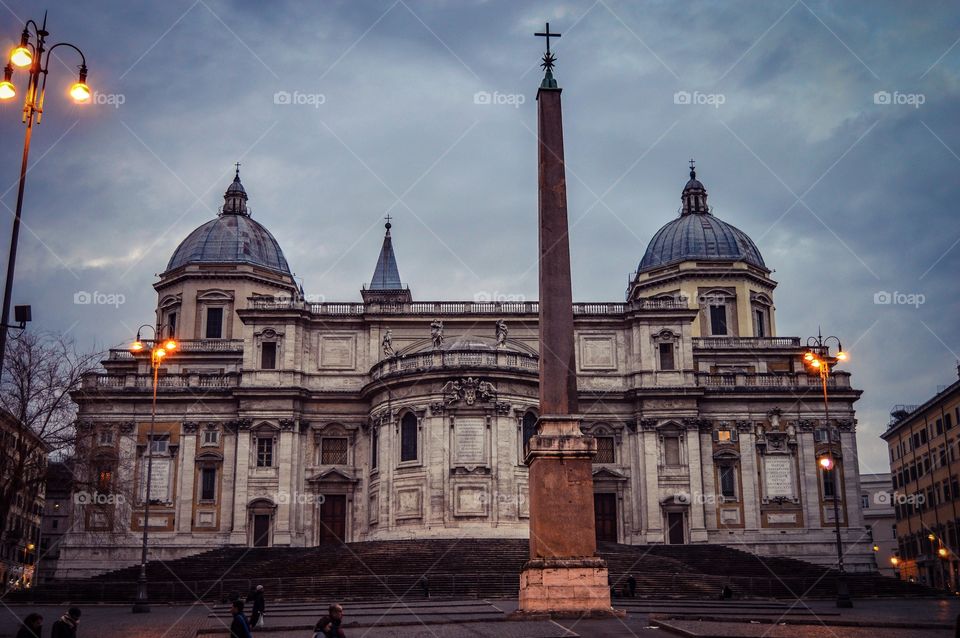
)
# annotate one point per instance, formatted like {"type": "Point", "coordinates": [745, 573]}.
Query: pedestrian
{"type": "Point", "coordinates": [239, 628]}
{"type": "Point", "coordinates": [632, 586]}
{"type": "Point", "coordinates": [259, 606]}
{"type": "Point", "coordinates": [66, 626]}
{"type": "Point", "coordinates": [329, 626]}
{"type": "Point", "coordinates": [32, 626]}
{"type": "Point", "coordinates": [425, 586]}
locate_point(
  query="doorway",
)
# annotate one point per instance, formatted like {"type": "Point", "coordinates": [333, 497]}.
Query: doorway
{"type": "Point", "coordinates": [605, 517]}
{"type": "Point", "coordinates": [333, 519]}
{"type": "Point", "coordinates": [261, 530]}
{"type": "Point", "coordinates": [675, 534]}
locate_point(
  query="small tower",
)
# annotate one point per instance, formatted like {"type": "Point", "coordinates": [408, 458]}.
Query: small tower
{"type": "Point", "coordinates": [385, 287]}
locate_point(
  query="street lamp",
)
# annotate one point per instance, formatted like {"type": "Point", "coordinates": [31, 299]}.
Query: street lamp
{"type": "Point", "coordinates": [29, 55]}
{"type": "Point", "coordinates": [817, 358]}
{"type": "Point", "coordinates": [160, 348]}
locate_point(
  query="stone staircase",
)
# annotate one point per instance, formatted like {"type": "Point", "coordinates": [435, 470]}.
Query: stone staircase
{"type": "Point", "coordinates": [456, 569]}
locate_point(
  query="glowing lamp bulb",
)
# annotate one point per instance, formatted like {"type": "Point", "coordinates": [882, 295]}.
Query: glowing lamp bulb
{"type": "Point", "coordinates": [7, 90]}
{"type": "Point", "coordinates": [80, 92]}
{"type": "Point", "coordinates": [815, 363]}
{"type": "Point", "coordinates": [943, 552]}
{"type": "Point", "coordinates": [808, 356]}
{"type": "Point", "coordinates": [170, 345]}
{"type": "Point", "coordinates": [826, 463]}
{"type": "Point", "coordinates": [160, 353]}
{"type": "Point", "coordinates": [876, 548]}
{"type": "Point", "coordinates": [842, 356]}
{"type": "Point", "coordinates": [931, 537]}
{"type": "Point", "coordinates": [136, 346]}
{"type": "Point", "coordinates": [894, 561]}
{"type": "Point", "coordinates": [22, 56]}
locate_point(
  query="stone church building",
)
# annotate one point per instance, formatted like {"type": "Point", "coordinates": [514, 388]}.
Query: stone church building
{"type": "Point", "coordinates": [282, 422]}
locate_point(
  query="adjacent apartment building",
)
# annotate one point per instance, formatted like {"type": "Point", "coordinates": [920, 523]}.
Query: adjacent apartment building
{"type": "Point", "coordinates": [876, 500]}
{"type": "Point", "coordinates": [924, 444]}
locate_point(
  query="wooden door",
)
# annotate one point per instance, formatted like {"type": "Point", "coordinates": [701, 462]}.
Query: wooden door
{"type": "Point", "coordinates": [261, 530]}
{"type": "Point", "coordinates": [675, 525]}
{"type": "Point", "coordinates": [605, 517]}
{"type": "Point", "coordinates": [333, 519]}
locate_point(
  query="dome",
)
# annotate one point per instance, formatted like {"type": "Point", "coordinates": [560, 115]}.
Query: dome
{"type": "Point", "coordinates": [233, 237]}
{"type": "Point", "coordinates": [698, 235]}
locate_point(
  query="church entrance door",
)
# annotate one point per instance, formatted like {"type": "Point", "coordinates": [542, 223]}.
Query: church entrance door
{"type": "Point", "coordinates": [261, 530]}
{"type": "Point", "coordinates": [333, 519]}
{"type": "Point", "coordinates": [675, 528]}
{"type": "Point", "coordinates": [605, 517]}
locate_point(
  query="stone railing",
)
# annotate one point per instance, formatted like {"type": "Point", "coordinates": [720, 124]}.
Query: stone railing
{"type": "Point", "coordinates": [438, 360]}
{"type": "Point", "coordinates": [184, 345]}
{"type": "Point", "coordinates": [770, 380]}
{"type": "Point", "coordinates": [440, 308]}
{"type": "Point", "coordinates": [745, 343]}
{"type": "Point", "coordinates": [138, 382]}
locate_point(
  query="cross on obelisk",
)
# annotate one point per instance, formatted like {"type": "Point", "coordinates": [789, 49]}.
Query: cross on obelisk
{"type": "Point", "coordinates": [546, 34]}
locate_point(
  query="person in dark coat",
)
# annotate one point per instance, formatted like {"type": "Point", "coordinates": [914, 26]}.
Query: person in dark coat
{"type": "Point", "coordinates": [239, 628]}
{"type": "Point", "coordinates": [32, 627]}
{"type": "Point", "coordinates": [259, 606]}
{"type": "Point", "coordinates": [329, 626]}
{"type": "Point", "coordinates": [66, 626]}
{"type": "Point", "coordinates": [632, 586]}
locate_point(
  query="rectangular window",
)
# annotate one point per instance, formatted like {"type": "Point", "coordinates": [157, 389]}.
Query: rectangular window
{"type": "Point", "coordinates": [939, 427]}
{"type": "Point", "coordinates": [268, 355]}
{"type": "Point", "coordinates": [374, 447]}
{"type": "Point", "coordinates": [265, 451]}
{"type": "Point", "coordinates": [829, 486]}
{"type": "Point", "coordinates": [172, 324]}
{"type": "Point", "coordinates": [666, 357]}
{"type": "Point", "coordinates": [671, 450]}
{"type": "Point", "coordinates": [333, 451]}
{"type": "Point", "coordinates": [55, 523]}
{"type": "Point", "coordinates": [214, 323]}
{"type": "Point", "coordinates": [211, 437]}
{"type": "Point", "coordinates": [605, 450]}
{"type": "Point", "coordinates": [728, 488]}
{"type": "Point", "coordinates": [718, 320]}
{"type": "Point", "coordinates": [761, 329]}
{"type": "Point", "coordinates": [106, 437]}
{"type": "Point", "coordinates": [726, 436]}
{"type": "Point", "coordinates": [865, 501]}
{"type": "Point", "coordinates": [948, 420]}
{"type": "Point", "coordinates": [408, 437]}
{"type": "Point", "coordinates": [159, 444]}
{"type": "Point", "coordinates": [104, 480]}
{"type": "Point", "coordinates": [208, 484]}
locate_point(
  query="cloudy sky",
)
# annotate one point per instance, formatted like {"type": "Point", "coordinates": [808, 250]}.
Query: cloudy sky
{"type": "Point", "coordinates": [826, 131]}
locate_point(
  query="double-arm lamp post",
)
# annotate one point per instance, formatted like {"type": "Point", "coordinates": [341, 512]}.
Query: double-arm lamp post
{"type": "Point", "coordinates": [32, 55]}
{"type": "Point", "coordinates": [818, 360]}
{"type": "Point", "coordinates": [159, 350]}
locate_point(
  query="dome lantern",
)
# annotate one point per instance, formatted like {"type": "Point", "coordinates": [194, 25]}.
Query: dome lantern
{"type": "Point", "coordinates": [235, 199]}
{"type": "Point", "coordinates": [694, 195]}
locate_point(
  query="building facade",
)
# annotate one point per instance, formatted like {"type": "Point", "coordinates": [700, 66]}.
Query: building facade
{"type": "Point", "coordinates": [23, 455]}
{"type": "Point", "coordinates": [924, 445]}
{"type": "Point", "coordinates": [876, 499]}
{"type": "Point", "coordinates": [287, 423]}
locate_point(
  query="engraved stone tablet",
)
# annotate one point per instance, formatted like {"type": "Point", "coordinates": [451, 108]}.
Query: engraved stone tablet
{"type": "Point", "coordinates": [469, 441]}
{"type": "Point", "coordinates": [778, 476]}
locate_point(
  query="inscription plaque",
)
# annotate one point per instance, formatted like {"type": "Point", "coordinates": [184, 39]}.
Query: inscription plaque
{"type": "Point", "coordinates": [778, 476]}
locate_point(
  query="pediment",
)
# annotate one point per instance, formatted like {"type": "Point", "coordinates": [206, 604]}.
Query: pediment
{"type": "Point", "coordinates": [332, 475]}
{"type": "Point", "coordinates": [608, 474]}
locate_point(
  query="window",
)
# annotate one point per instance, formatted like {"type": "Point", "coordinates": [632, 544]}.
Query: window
{"type": "Point", "coordinates": [760, 329]}
{"type": "Point", "coordinates": [939, 427]}
{"type": "Point", "coordinates": [666, 356]}
{"type": "Point", "coordinates": [208, 484]}
{"type": "Point", "coordinates": [718, 320]}
{"type": "Point", "coordinates": [211, 437]}
{"type": "Point", "coordinates": [214, 323]}
{"type": "Point", "coordinates": [104, 479]}
{"type": "Point", "coordinates": [671, 450]}
{"type": "Point", "coordinates": [894, 532]}
{"type": "Point", "coordinates": [948, 420]}
{"type": "Point", "coordinates": [374, 446]}
{"type": "Point", "coordinates": [725, 436]}
{"type": "Point", "coordinates": [265, 451]}
{"type": "Point", "coordinates": [408, 437]}
{"type": "Point", "coordinates": [821, 435]}
{"type": "Point", "coordinates": [865, 501]}
{"type": "Point", "coordinates": [829, 485]}
{"type": "Point", "coordinates": [605, 450]}
{"type": "Point", "coordinates": [268, 355]}
{"type": "Point", "coordinates": [159, 444]}
{"type": "Point", "coordinates": [106, 437]}
{"type": "Point", "coordinates": [529, 429]}
{"type": "Point", "coordinates": [172, 323]}
{"type": "Point", "coordinates": [333, 451]}
{"type": "Point", "coordinates": [55, 523]}
{"type": "Point", "coordinates": [728, 481]}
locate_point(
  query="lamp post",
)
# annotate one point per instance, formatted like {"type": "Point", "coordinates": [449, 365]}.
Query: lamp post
{"type": "Point", "coordinates": [159, 349]}
{"type": "Point", "coordinates": [817, 358]}
{"type": "Point", "coordinates": [29, 55]}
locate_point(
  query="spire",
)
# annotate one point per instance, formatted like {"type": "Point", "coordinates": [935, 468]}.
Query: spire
{"type": "Point", "coordinates": [694, 195]}
{"type": "Point", "coordinates": [386, 276]}
{"type": "Point", "coordinates": [548, 60]}
{"type": "Point", "coordinates": [235, 199]}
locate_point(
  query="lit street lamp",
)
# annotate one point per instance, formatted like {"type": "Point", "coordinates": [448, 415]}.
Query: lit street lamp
{"type": "Point", "coordinates": [159, 350]}
{"type": "Point", "coordinates": [818, 360]}
{"type": "Point", "coordinates": [29, 55]}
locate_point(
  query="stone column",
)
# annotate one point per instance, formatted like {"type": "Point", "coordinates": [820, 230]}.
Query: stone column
{"type": "Point", "coordinates": [281, 526]}
{"type": "Point", "coordinates": [698, 532]}
{"type": "Point", "coordinates": [651, 457]}
{"type": "Point", "coordinates": [751, 480]}
{"type": "Point", "coordinates": [238, 535]}
{"type": "Point", "coordinates": [185, 491]}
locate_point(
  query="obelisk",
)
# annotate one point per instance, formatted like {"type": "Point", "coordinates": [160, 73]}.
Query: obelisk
{"type": "Point", "coordinates": [564, 574]}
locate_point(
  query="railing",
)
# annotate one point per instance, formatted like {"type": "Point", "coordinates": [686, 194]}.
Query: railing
{"type": "Point", "coordinates": [440, 308]}
{"type": "Point", "coordinates": [424, 361]}
{"type": "Point", "coordinates": [184, 345]}
{"type": "Point", "coordinates": [786, 381]}
{"type": "Point", "coordinates": [138, 382]}
{"type": "Point", "coordinates": [746, 343]}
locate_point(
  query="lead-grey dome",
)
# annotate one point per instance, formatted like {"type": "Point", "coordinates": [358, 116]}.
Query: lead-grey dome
{"type": "Point", "coordinates": [233, 237]}
{"type": "Point", "coordinates": [698, 235]}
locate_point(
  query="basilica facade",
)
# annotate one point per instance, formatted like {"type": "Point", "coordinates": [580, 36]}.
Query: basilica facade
{"type": "Point", "coordinates": [282, 422]}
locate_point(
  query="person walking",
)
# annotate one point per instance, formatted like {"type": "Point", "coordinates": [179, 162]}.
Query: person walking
{"type": "Point", "coordinates": [66, 626]}
{"type": "Point", "coordinates": [32, 626]}
{"type": "Point", "coordinates": [329, 626]}
{"type": "Point", "coordinates": [239, 628]}
{"type": "Point", "coordinates": [632, 586]}
{"type": "Point", "coordinates": [259, 606]}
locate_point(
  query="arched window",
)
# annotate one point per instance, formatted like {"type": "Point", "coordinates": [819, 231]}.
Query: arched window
{"type": "Point", "coordinates": [529, 429]}
{"type": "Point", "coordinates": [408, 437]}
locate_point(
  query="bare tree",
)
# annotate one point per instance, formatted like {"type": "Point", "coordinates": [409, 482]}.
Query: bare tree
{"type": "Point", "coordinates": [39, 372]}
